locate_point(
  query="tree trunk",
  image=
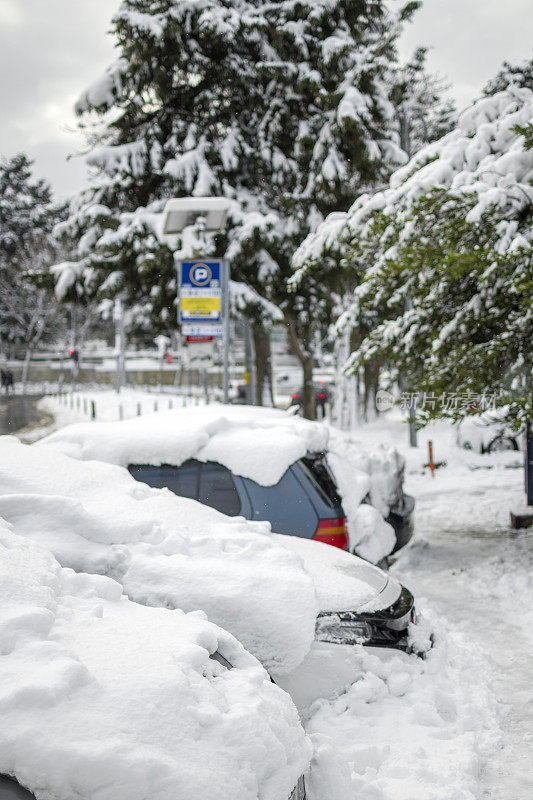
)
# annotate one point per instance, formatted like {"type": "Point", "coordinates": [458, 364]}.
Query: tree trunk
{"type": "Point", "coordinates": [263, 362]}
{"type": "Point", "coordinates": [371, 373]}
{"type": "Point", "coordinates": [26, 366]}
{"type": "Point", "coordinates": [309, 405]}
{"type": "Point", "coordinates": [306, 359]}
{"type": "Point", "coordinates": [35, 331]}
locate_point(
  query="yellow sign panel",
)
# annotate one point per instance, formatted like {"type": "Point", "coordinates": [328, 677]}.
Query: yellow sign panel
{"type": "Point", "coordinates": [200, 305]}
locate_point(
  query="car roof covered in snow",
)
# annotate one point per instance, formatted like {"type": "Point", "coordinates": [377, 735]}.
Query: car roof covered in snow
{"type": "Point", "coordinates": [105, 699]}
{"type": "Point", "coordinates": [256, 443]}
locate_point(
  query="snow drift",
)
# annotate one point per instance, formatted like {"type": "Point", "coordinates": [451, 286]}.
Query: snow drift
{"type": "Point", "coordinates": [105, 699]}
{"type": "Point", "coordinates": [165, 550]}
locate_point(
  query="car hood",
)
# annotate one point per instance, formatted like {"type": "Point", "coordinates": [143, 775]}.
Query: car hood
{"type": "Point", "coordinates": [343, 582]}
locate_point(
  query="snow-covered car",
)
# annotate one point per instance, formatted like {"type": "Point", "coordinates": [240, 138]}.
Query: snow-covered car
{"type": "Point", "coordinates": [105, 699]}
{"type": "Point", "coordinates": [276, 594]}
{"type": "Point", "coordinates": [306, 479]}
{"type": "Point", "coordinates": [488, 432]}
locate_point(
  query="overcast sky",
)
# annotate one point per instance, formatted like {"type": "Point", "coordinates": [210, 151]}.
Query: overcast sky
{"type": "Point", "coordinates": [50, 50]}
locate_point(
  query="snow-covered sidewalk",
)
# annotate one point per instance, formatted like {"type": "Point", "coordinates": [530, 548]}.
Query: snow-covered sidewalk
{"type": "Point", "coordinates": [109, 406]}
{"type": "Point", "coordinates": [105, 405]}
{"type": "Point", "coordinates": [457, 726]}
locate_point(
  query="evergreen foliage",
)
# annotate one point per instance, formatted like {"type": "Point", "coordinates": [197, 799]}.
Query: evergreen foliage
{"type": "Point", "coordinates": [282, 107]}
{"type": "Point", "coordinates": [448, 310]}
{"type": "Point", "coordinates": [441, 261]}
{"type": "Point", "coordinates": [27, 215]}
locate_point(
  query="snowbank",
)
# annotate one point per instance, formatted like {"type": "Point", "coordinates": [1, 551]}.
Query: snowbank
{"type": "Point", "coordinates": [376, 472]}
{"type": "Point", "coordinates": [104, 699]}
{"type": "Point", "coordinates": [165, 550]}
{"type": "Point", "coordinates": [256, 443]}
{"type": "Point", "coordinates": [406, 728]}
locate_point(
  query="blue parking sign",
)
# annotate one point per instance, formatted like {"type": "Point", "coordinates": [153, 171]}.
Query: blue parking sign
{"type": "Point", "coordinates": [200, 274]}
{"type": "Point", "coordinates": [200, 292]}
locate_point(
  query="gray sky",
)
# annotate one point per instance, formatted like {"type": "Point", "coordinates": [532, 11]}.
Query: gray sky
{"type": "Point", "coordinates": [50, 50]}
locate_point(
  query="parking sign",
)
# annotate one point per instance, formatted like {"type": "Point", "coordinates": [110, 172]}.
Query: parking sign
{"type": "Point", "coordinates": [200, 291]}
{"type": "Point", "coordinates": [200, 274]}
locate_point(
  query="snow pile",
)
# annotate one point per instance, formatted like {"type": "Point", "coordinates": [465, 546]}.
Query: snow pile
{"type": "Point", "coordinates": [375, 473]}
{"type": "Point", "coordinates": [484, 157]}
{"type": "Point", "coordinates": [66, 274]}
{"type": "Point", "coordinates": [255, 443]}
{"type": "Point", "coordinates": [243, 297]}
{"type": "Point", "coordinates": [165, 550]}
{"type": "Point", "coordinates": [104, 699]}
{"type": "Point", "coordinates": [406, 728]}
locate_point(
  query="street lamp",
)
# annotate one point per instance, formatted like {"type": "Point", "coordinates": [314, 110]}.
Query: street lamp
{"type": "Point", "coordinates": [182, 212]}
{"type": "Point", "coordinates": [199, 216]}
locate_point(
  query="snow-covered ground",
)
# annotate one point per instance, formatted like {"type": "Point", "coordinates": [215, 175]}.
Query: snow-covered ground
{"type": "Point", "coordinates": [111, 406]}
{"type": "Point", "coordinates": [457, 726]}
{"type": "Point", "coordinates": [105, 699]}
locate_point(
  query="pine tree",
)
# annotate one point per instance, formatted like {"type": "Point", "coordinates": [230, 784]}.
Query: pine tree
{"type": "Point", "coordinates": [519, 74]}
{"type": "Point", "coordinates": [281, 107]}
{"type": "Point", "coordinates": [444, 258]}
{"type": "Point", "coordinates": [425, 112]}
{"type": "Point", "coordinates": [27, 215]}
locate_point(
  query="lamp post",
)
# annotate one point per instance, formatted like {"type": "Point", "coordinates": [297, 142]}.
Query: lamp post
{"type": "Point", "coordinates": [194, 220]}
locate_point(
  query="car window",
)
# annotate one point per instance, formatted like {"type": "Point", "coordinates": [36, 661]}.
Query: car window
{"type": "Point", "coordinates": [182, 480]}
{"type": "Point", "coordinates": [286, 505]}
{"type": "Point", "coordinates": [217, 489]}
{"type": "Point", "coordinates": [317, 471]}
{"type": "Point", "coordinates": [11, 790]}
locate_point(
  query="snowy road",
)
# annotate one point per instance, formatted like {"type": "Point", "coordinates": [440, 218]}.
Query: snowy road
{"type": "Point", "coordinates": [17, 412]}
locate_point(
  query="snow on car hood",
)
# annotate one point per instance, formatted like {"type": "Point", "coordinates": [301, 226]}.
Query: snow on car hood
{"type": "Point", "coordinates": [165, 550]}
{"type": "Point", "coordinates": [343, 581]}
{"type": "Point", "coordinates": [105, 699]}
{"type": "Point", "coordinates": [256, 443]}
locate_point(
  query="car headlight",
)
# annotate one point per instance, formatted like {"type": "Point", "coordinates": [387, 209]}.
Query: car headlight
{"type": "Point", "coordinates": [332, 628]}
{"type": "Point", "coordinates": [385, 628]}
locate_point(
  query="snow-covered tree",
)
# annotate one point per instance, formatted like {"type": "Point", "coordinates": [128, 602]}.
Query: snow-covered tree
{"type": "Point", "coordinates": [517, 74]}
{"type": "Point", "coordinates": [424, 110]}
{"type": "Point", "coordinates": [445, 259]}
{"type": "Point", "coordinates": [423, 113]}
{"type": "Point", "coordinates": [27, 215]}
{"type": "Point", "coordinates": [282, 107]}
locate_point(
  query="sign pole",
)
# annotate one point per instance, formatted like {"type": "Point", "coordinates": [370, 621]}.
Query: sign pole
{"type": "Point", "coordinates": [225, 322]}
{"type": "Point", "coordinates": [529, 464]}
